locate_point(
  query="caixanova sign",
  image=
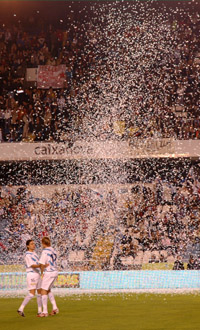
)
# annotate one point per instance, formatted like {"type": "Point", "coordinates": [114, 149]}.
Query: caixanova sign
{"type": "Point", "coordinates": [61, 149]}
{"type": "Point", "coordinates": [147, 148]}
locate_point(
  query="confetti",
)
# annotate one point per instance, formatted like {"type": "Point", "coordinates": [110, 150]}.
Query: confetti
{"type": "Point", "coordinates": [132, 73]}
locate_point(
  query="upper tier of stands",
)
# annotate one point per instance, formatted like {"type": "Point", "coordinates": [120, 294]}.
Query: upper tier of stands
{"type": "Point", "coordinates": [140, 82]}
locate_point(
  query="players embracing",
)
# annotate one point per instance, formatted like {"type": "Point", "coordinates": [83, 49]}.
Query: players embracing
{"type": "Point", "coordinates": [41, 282]}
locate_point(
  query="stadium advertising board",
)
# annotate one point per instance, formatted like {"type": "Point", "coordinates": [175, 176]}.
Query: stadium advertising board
{"type": "Point", "coordinates": [112, 280]}
{"type": "Point", "coordinates": [66, 280]}
{"type": "Point", "coordinates": [100, 150]}
{"type": "Point", "coordinates": [11, 281]}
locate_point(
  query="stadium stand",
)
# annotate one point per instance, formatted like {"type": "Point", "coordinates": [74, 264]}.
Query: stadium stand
{"type": "Point", "coordinates": [166, 95]}
{"type": "Point", "coordinates": [145, 223]}
{"type": "Point", "coordinates": [153, 217]}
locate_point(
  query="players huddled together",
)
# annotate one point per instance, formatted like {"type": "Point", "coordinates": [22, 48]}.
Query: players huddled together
{"type": "Point", "coordinates": [41, 275]}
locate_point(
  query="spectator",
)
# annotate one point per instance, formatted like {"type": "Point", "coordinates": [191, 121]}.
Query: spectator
{"type": "Point", "coordinates": [192, 264]}
{"type": "Point", "coordinates": [178, 264]}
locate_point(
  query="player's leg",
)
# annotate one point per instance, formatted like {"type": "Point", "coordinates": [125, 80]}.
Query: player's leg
{"type": "Point", "coordinates": [44, 294]}
{"type": "Point", "coordinates": [46, 285]}
{"type": "Point", "coordinates": [55, 309]}
{"type": "Point", "coordinates": [39, 297]}
{"type": "Point", "coordinates": [25, 302]}
{"type": "Point", "coordinates": [53, 302]}
{"type": "Point", "coordinates": [39, 301]}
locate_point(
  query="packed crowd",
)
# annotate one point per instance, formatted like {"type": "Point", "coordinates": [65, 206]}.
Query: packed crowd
{"type": "Point", "coordinates": [117, 228]}
{"type": "Point", "coordinates": [141, 81]}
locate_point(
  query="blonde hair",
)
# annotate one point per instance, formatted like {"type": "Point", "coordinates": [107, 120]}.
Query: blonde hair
{"type": "Point", "coordinates": [46, 241]}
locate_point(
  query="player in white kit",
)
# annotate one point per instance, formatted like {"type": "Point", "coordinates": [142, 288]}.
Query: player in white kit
{"type": "Point", "coordinates": [33, 277]}
{"type": "Point", "coordinates": [49, 256]}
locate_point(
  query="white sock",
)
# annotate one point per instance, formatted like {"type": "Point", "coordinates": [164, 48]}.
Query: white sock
{"type": "Point", "coordinates": [52, 300]}
{"type": "Point", "coordinates": [44, 303]}
{"type": "Point", "coordinates": [26, 301]}
{"type": "Point", "coordinates": [39, 303]}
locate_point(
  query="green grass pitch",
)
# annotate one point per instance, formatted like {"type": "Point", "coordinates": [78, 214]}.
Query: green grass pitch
{"type": "Point", "coordinates": [108, 312]}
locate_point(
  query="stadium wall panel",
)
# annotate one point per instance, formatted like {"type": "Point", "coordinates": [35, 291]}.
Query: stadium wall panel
{"type": "Point", "coordinates": [111, 280]}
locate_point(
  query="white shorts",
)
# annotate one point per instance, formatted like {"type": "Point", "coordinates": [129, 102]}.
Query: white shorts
{"type": "Point", "coordinates": [33, 281]}
{"type": "Point", "coordinates": [48, 280]}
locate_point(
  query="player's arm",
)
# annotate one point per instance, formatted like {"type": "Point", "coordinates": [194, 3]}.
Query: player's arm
{"type": "Point", "coordinates": [42, 267]}
{"type": "Point", "coordinates": [39, 266]}
{"type": "Point", "coordinates": [43, 263]}
{"type": "Point", "coordinates": [35, 266]}
{"type": "Point", "coordinates": [30, 263]}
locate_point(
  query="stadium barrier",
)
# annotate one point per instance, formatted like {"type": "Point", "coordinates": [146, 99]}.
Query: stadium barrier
{"type": "Point", "coordinates": [111, 280]}
{"type": "Point", "coordinates": [138, 148]}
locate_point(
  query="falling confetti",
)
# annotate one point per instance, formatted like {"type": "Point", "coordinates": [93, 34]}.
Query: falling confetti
{"type": "Point", "coordinates": [132, 73]}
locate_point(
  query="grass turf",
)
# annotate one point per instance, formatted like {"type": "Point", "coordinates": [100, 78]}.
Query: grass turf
{"type": "Point", "coordinates": [108, 312]}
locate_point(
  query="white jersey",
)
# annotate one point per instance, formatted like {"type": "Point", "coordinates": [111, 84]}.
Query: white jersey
{"type": "Point", "coordinates": [31, 258]}
{"type": "Point", "coordinates": [49, 256]}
